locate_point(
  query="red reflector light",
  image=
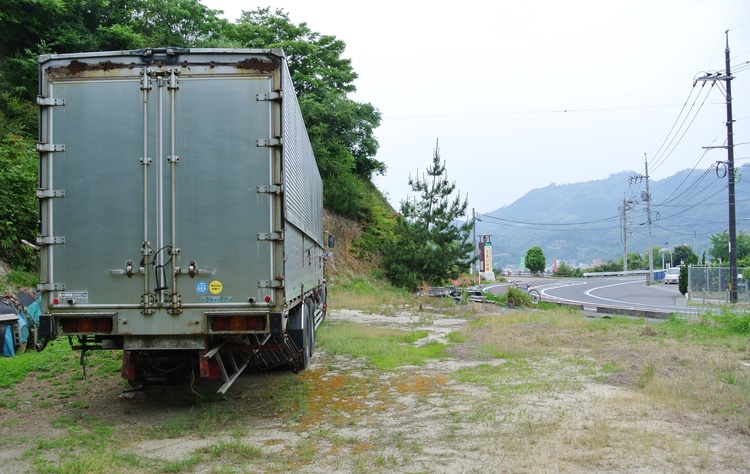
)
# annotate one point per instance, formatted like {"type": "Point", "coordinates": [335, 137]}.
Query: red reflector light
{"type": "Point", "coordinates": [220, 323]}
{"type": "Point", "coordinates": [238, 323]}
{"type": "Point", "coordinates": [103, 325]}
{"type": "Point", "coordinates": [256, 323]}
{"type": "Point", "coordinates": [69, 325]}
{"type": "Point", "coordinates": [86, 325]}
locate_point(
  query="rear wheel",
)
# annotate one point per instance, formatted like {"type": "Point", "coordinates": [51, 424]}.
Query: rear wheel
{"type": "Point", "coordinates": [301, 331]}
{"type": "Point", "coordinates": [308, 335]}
{"type": "Point", "coordinates": [311, 324]}
{"type": "Point", "coordinates": [535, 296]}
{"type": "Point", "coordinates": [323, 302]}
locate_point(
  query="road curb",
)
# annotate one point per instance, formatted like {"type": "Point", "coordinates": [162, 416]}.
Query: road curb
{"type": "Point", "coordinates": [634, 312]}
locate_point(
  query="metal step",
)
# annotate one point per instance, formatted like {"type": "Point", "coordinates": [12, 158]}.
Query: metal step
{"type": "Point", "coordinates": [233, 359]}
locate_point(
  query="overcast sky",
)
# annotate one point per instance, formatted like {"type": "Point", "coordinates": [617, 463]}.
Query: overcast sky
{"type": "Point", "coordinates": [523, 94]}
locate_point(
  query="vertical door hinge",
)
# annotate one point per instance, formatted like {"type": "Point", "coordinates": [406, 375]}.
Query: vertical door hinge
{"type": "Point", "coordinates": [276, 95]}
{"type": "Point", "coordinates": [269, 141]}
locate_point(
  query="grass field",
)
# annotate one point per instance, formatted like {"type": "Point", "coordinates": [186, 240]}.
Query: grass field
{"type": "Point", "coordinates": [412, 385]}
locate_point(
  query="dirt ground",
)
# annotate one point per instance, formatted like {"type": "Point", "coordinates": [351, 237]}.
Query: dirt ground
{"type": "Point", "coordinates": [359, 419]}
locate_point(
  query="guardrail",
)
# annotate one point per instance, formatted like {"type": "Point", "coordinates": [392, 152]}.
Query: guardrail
{"type": "Point", "coordinates": [658, 274]}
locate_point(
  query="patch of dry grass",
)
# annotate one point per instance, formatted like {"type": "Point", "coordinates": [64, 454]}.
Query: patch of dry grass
{"type": "Point", "coordinates": [702, 376]}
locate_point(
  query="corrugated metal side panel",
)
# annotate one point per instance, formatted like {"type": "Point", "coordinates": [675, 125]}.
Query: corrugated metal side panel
{"type": "Point", "coordinates": [302, 183]}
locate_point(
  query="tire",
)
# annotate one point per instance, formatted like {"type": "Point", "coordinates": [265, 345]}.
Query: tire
{"type": "Point", "coordinates": [311, 319]}
{"type": "Point", "coordinates": [536, 297]}
{"type": "Point", "coordinates": [308, 336]}
{"type": "Point", "coordinates": [323, 302]}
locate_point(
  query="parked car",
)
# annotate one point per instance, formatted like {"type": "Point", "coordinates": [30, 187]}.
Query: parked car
{"type": "Point", "coordinates": [672, 276]}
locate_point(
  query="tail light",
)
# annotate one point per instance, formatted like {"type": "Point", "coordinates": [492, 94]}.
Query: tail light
{"type": "Point", "coordinates": [86, 325]}
{"type": "Point", "coordinates": [251, 323]}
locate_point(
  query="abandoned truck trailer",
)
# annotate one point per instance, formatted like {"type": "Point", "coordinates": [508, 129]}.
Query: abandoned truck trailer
{"type": "Point", "coordinates": [181, 211]}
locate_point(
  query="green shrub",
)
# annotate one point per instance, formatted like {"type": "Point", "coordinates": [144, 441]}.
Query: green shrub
{"type": "Point", "coordinates": [18, 182]}
{"type": "Point", "coordinates": [682, 282]}
{"type": "Point", "coordinates": [22, 279]}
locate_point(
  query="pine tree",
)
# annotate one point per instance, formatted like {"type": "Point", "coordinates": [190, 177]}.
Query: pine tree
{"type": "Point", "coordinates": [430, 247]}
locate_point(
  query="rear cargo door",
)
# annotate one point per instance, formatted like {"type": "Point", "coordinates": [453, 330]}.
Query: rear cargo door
{"type": "Point", "coordinates": [157, 194]}
{"type": "Point", "coordinates": [224, 191]}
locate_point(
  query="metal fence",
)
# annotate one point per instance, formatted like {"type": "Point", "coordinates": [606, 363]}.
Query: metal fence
{"type": "Point", "coordinates": [712, 284]}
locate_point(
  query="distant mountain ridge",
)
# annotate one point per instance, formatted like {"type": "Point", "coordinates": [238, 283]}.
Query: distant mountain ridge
{"type": "Point", "coordinates": [581, 222]}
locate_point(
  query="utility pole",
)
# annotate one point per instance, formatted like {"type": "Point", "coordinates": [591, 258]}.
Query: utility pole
{"type": "Point", "coordinates": [650, 279]}
{"type": "Point", "coordinates": [645, 196]}
{"type": "Point", "coordinates": [730, 171]}
{"type": "Point", "coordinates": [624, 234]}
{"type": "Point", "coordinates": [476, 247]}
{"type": "Point", "coordinates": [727, 78]}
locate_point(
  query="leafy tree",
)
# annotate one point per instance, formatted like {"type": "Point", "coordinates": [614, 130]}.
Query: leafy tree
{"type": "Point", "coordinates": [720, 246]}
{"type": "Point", "coordinates": [186, 23]}
{"type": "Point", "coordinates": [635, 262]}
{"type": "Point", "coordinates": [428, 245]}
{"type": "Point", "coordinates": [684, 254]}
{"type": "Point", "coordinates": [342, 135]}
{"type": "Point", "coordinates": [33, 27]}
{"type": "Point", "coordinates": [609, 266]}
{"type": "Point", "coordinates": [344, 194]}
{"type": "Point", "coordinates": [535, 260]}
{"type": "Point", "coordinates": [341, 130]}
{"type": "Point", "coordinates": [655, 254]}
{"type": "Point", "coordinates": [18, 180]}
{"type": "Point", "coordinates": [565, 270]}
{"type": "Point", "coordinates": [315, 60]}
{"type": "Point", "coordinates": [665, 257]}
{"type": "Point", "coordinates": [24, 22]}
{"type": "Point", "coordinates": [352, 124]}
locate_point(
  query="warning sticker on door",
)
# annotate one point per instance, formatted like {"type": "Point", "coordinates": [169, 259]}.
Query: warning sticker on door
{"type": "Point", "coordinates": [215, 287]}
{"type": "Point", "coordinates": [201, 287]}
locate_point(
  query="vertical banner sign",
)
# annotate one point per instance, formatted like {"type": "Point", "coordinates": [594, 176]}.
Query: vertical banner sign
{"type": "Point", "coordinates": [487, 254]}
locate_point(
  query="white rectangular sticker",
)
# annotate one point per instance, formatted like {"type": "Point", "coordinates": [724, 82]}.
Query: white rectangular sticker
{"type": "Point", "coordinates": [73, 294]}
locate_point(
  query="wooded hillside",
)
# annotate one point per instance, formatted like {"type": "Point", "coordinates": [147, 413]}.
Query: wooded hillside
{"type": "Point", "coordinates": [340, 129]}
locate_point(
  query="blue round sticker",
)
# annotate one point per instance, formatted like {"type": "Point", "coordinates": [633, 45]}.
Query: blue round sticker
{"type": "Point", "coordinates": [201, 287]}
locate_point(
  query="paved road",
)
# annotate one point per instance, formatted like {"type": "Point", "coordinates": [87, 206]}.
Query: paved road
{"type": "Point", "coordinates": [618, 292]}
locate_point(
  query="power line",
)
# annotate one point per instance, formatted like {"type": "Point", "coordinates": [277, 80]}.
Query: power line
{"type": "Point", "coordinates": [530, 112]}
{"type": "Point", "coordinates": [566, 224]}
{"type": "Point", "coordinates": [660, 160]}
